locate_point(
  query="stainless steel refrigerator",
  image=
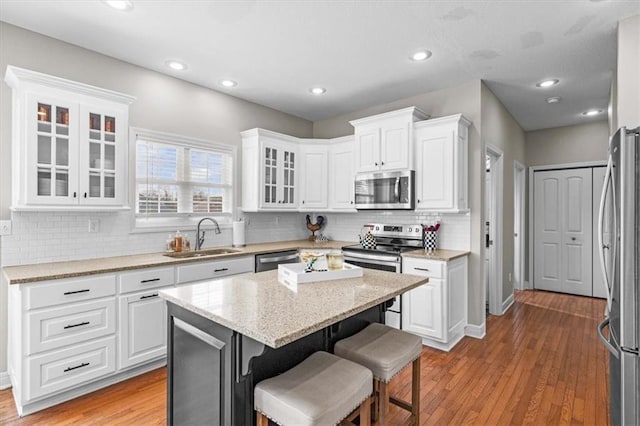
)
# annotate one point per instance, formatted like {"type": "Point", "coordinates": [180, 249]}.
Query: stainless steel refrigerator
{"type": "Point", "coordinates": [622, 275]}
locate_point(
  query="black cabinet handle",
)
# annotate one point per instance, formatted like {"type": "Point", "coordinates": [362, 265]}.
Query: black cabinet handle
{"type": "Point", "coordinates": [86, 290]}
{"type": "Point", "coordinates": [375, 164]}
{"type": "Point", "coordinates": [149, 296]}
{"type": "Point", "coordinates": [221, 270]}
{"type": "Point", "coordinates": [421, 269]}
{"type": "Point", "coordinates": [85, 195]}
{"type": "Point", "coordinates": [77, 325]}
{"type": "Point", "coordinates": [84, 364]}
{"type": "Point", "coordinates": [302, 201]}
{"type": "Point", "coordinates": [75, 194]}
{"type": "Point", "coordinates": [382, 163]}
{"type": "Point", "coordinates": [418, 201]}
{"type": "Point", "coordinates": [351, 202]}
{"type": "Point", "coordinates": [149, 280]}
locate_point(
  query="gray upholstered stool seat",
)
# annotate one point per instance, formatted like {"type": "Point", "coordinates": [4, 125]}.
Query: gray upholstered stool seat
{"type": "Point", "coordinates": [385, 351]}
{"type": "Point", "coordinates": [322, 390]}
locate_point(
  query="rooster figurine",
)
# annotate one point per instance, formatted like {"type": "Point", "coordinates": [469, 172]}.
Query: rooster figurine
{"type": "Point", "coordinates": [313, 227]}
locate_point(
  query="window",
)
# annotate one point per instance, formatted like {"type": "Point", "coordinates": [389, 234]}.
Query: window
{"type": "Point", "coordinates": [178, 178]}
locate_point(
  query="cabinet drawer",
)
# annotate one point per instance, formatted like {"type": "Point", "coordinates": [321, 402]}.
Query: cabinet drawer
{"type": "Point", "coordinates": [63, 369]}
{"type": "Point", "coordinates": [208, 270]}
{"type": "Point", "coordinates": [57, 327]}
{"type": "Point", "coordinates": [52, 293]}
{"type": "Point", "coordinates": [429, 268]}
{"type": "Point", "coordinates": [145, 279]}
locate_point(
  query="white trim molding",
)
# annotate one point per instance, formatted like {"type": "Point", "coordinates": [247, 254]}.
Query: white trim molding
{"type": "Point", "coordinates": [507, 304]}
{"type": "Point", "coordinates": [476, 331]}
{"type": "Point", "coordinates": [5, 380]}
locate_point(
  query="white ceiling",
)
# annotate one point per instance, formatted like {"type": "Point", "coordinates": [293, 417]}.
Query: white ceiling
{"type": "Point", "coordinates": [358, 50]}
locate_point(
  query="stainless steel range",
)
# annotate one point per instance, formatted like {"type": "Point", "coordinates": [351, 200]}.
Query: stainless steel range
{"type": "Point", "coordinates": [391, 242]}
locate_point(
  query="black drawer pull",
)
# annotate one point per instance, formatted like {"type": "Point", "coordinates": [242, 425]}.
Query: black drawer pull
{"type": "Point", "coordinates": [86, 290]}
{"type": "Point", "coordinates": [421, 269]}
{"type": "Point", "coordinates": [77, 325]}
{"type": "Point", "coordinates": [149, 296]}
{"type": "Point", "coordinates": [149, 280]}
{"type": "Point", "coordinates": [221, 270]}
{"type": "Point", "coordinates": [84, 364]}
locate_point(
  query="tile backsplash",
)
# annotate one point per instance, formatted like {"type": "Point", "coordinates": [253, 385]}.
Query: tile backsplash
{"type": "Point", "coordinates": [39, 237]}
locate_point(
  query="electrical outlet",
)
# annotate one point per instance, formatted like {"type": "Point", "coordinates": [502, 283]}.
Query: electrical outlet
{"type": "Point", "coordinates": [5, 227]}
{"type": "Point", "coordinates": [94, 225]}
{"type": "Point", "coordinates": [277, 220]}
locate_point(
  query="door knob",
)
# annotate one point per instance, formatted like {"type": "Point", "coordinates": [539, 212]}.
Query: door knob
{"type": "Point", "coordinates": [573, 238]}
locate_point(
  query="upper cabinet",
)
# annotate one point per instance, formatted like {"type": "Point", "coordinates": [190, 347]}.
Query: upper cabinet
{"type": "Point", "coordinates": [441, 164]}
{"type": "Point", "coordinates": [385, 141]}
{"type": "Point", "coordinates": [341, 174]}
{"type": "Point", "coordinates": [313, 177]}
{"type": "Point", "coordinates": [69, 143]}
{"type": "Point", "coordinates": [270, 167]}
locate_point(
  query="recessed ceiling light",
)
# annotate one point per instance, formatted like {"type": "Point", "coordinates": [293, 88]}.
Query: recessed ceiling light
{"type": "Point", "coordinates": [548, 83]}
{"type": "Point", "coordinates": [553, 99]}
{"type": "Point", "coordinates": [176, 65]}
{"type": "Point", "coordinates": [421, 55]}
{"type": "Point", "coordinates": [318, 90]}
{"type": "Point", "coordinates": [228, 83]}
{"type": "Point", "coordinates": [592, 112]}
{"type": "Point", "coordinates": [122, 5]}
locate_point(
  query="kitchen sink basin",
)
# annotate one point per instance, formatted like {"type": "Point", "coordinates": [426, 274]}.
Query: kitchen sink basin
{"type": "Point", "coordinates": [202, 253]}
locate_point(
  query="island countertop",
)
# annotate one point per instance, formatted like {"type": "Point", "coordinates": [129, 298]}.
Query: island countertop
{"type": "Point", "coordinates": [259, 307]}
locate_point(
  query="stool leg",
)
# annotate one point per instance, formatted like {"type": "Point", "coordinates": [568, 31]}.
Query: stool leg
{"type": "Point", "coordinates": [376, 400]}
{"type": "Point", "coordinates": [365, 412]}
{"type": "Point", "coordinates": [415, 391]}
{"type": "Point", "coordinates": [261, 419]}
{"type": "Point", "coordinates": [383, 403]}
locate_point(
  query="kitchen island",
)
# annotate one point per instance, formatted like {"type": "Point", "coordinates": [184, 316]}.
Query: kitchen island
{"type": "Point", "coordinates": [226, 335]}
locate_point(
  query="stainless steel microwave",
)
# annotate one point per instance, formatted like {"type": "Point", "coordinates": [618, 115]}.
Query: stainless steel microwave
{"type": "Point", "coordinates": [385, 190]}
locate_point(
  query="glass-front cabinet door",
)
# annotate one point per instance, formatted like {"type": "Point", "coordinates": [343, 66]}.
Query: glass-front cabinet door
{"type": "Point", "coordinates": [52, 150]}
{"type": "Point", "coordinates": [103, 144]}
{"type": "Point", "coordinates": [279, 162]}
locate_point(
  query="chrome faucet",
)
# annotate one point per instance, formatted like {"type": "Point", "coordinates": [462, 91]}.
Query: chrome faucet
{"type": "Point", "coordinates": [200, 239]}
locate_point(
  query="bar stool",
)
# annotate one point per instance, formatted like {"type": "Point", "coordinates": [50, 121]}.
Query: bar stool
{"type": "Point", "coordinates": [386, 351]}
{"type": "Point", "coordinates": [322, 390]}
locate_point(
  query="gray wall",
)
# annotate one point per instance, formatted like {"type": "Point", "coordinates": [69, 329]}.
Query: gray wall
{"type": "Point", "coordinates": [501, 130]}
{"type": "Point", "coordinates": [163, 103]}
{"type": "Point", "coordinates": [463, 99]}
{"type": "Point", "coordinates": [568, 144]}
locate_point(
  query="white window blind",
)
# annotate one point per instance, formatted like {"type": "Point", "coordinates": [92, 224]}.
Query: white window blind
{"type": "Point", "coordinates": [176, 177]}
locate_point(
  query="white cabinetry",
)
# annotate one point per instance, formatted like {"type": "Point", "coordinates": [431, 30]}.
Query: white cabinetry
{"type": "Point", "coordinates": [341, 174]}
{"type": "Point", "coordinates": [69, 143]}
{"type": "Point", "coordinates": [269, 171]}
{"type": "Point", "coordinates": [61, 334]}
{"type": "Point", "coordinates": [142, 330]}
{"type": "Point", "coordinates": [441, 146]}
{"type": "Point", "coordinates": [385, 141]}
{"type": "Point", "coordinates": [313, 175]}
{"type": "Point", "coordinates": [214, 269]}
{"type": "Point", "coordinates": [437, 310]}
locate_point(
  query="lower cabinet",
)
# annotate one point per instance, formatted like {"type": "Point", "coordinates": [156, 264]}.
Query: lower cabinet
{"type": "Point", "coordinates": [142, 331]}
{"type": "Point", "coordinates": [69, 337]}
{"type": "Point", "coordinates": [437, 310]}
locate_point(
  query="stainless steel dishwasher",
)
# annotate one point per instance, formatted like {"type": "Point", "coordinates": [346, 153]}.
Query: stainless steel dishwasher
{"type": "Point", "coordinates": [269, 261]}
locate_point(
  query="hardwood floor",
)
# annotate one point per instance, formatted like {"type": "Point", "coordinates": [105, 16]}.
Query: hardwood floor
{"type": "Point", "coordinates": [541, 363]}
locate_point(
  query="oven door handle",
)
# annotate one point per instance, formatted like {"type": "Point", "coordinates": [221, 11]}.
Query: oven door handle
{"type": "Point", "coordinates": [379, 260]}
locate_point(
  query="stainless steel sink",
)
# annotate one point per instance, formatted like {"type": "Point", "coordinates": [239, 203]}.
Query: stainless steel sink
{"type": "Point", "coordinates": [202, 253]}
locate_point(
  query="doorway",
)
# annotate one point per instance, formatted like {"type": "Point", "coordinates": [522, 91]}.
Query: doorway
{"type": "Point", "coordinates": [493, 211]}
{"type": "Point", "coordinates": [519, 177]}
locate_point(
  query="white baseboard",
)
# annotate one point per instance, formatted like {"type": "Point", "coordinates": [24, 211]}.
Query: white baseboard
{"type": "Point", "coordinates": [507, 304]}
{"type": "Point", "coordinates": [527, 286]}
{"type": "Point", "coordinates": [5, 381]}
{"type": "Point", "coordinates": [477, 331]}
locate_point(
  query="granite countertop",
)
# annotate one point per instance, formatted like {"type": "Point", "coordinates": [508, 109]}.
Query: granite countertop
{"type": "Point", "coordinates": [259, 307]}
{"type": "Point", "coordinates": [56, 270]}
{"type": "Point", "coordinates": [444, 255]}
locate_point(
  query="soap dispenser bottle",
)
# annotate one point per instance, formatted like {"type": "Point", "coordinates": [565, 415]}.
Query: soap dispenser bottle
{"type": "Point", "coordinates": [178, 242]}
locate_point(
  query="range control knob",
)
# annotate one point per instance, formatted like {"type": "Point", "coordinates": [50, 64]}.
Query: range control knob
{"type": "Point", "coordinates": [377, 228]}
{"type": "Point", "coordinates": [409, 229]}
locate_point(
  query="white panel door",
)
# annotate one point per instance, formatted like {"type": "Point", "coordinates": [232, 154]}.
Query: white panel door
{"type": "Point", "coordinates": [599, 287]}
{"type": "Point", "coordinates": [563, 231]}
{"type": "Point", "coordinates": [368, 148]}
{"type": "Point", "coordinates": [313, 188]}
{"type": "Point", "coordinates": [434, 161]}
{"type": "Point", "coordinates": [341, 171]}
